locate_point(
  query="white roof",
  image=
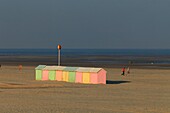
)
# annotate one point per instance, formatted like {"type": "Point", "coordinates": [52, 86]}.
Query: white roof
{"type": "Point", "coordinates": [95, 69]}
{"type": "Point", "coordinates": [88, 69]}
{"type": "Point", "coordinates": [66, 68]}
{"type": "Point", "coordinates": [54, 68]}
{"type": "Point", "coordinates": [40, 67]}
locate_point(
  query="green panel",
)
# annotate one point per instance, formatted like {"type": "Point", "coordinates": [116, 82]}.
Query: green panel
{"type": "Point", "coordinates": [52, 75]}
{"type": "Point", "coordinates": [38, 75]}
{"type": "Point", "coordinates": [72, 76]}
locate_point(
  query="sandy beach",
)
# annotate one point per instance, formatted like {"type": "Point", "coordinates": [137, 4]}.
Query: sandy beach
{"type": "Point", "coordinates": [142, 91]}
{"type": "Point", "coordinates": [78, 41]}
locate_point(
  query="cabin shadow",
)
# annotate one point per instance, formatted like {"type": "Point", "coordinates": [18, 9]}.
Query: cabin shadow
{"type": "Point", "coordinates": [116, 82]}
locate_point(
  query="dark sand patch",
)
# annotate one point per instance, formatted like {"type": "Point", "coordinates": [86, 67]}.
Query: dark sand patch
{"type": "Point", "coordinates": [27, 86]}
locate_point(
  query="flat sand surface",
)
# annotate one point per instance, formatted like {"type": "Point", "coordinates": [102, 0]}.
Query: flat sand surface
{"type": "Point", "coordinates": [142, 91]}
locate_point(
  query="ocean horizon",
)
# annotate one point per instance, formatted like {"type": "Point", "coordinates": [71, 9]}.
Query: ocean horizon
{"type": "Point", "coordinates": [74, 52]}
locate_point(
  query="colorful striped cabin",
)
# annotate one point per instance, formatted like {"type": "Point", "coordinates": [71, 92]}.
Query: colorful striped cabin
{"type": "Point", "coordinates": [85, 75]}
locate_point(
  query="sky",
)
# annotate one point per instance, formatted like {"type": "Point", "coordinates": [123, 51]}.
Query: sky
{"type": "Point", "coordinates": [89, 24]}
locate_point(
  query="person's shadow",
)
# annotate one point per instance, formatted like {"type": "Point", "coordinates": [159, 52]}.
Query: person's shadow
{"type": "Point", "coordinates": [116, 82]}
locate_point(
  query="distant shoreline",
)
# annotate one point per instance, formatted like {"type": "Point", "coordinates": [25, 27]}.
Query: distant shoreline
{"type": "Point", "coordinates": [105, 61]}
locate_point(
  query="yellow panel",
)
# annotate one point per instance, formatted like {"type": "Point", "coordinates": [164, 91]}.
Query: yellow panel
{"type": "Point", "coordinates": [86, 78]}
{"type": "Point", "coordinates": [65, 76]}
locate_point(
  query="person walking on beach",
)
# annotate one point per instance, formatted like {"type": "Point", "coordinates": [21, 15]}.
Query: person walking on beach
{"type": "Point", "coordinates": [128, 71]}
{"type": "Point", "coordinates": [20, 67]}
{"type": "Point", "coordinates": [123, 71]}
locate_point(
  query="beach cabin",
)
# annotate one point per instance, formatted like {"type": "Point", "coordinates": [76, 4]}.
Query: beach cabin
{"type": "Point", "coordinates": [38, 72]}
{"type": "Point", "coordinates": [83, 75]}
{"type": "Point", "coordinates": [79, 77]}
{"type": "Point", "coordinates": [49, 73]}
{"type": "Point", "coordinates": [91, 75]}
{"type": "Point", "coordinates": [71, 73]}
{"type": "Point", "coordinates": [97, 76]}
{"type": "Point", "coordinates": [59, 73]}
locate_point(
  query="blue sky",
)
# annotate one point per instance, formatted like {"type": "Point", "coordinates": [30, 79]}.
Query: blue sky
{"type": "Point", "coordinates": [136, 24]}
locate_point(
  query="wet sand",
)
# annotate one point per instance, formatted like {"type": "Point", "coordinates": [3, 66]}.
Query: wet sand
{"type": "Point", "coordinates": [142, 91]}
{"type": "Point", "coordinates": [107, 61]}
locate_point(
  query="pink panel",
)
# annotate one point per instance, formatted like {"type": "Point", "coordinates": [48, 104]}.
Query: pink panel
{"type": "Point", "coordinates": [59, 75]}
{"type": "Point", "coordinates": [102, 77]}
{"type": "Point", "coordinates": [79, 77]}
{"type": "Point", "coordinates": [45, 75]}
{"type": "Point", "coordinates": [94, 78]}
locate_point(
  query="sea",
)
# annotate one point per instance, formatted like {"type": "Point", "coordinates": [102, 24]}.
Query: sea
{"type": "Point", "coordinates": [51, 52]}
{"type": "Point", "coordinates": [156, 56]}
